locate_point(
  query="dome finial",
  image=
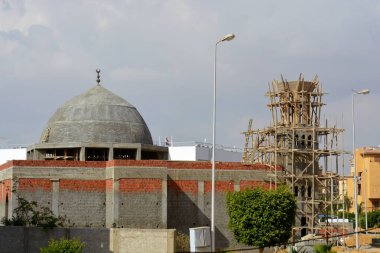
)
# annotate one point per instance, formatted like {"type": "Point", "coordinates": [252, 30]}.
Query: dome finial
{"type": "Point", "coordinates": [98, 76]}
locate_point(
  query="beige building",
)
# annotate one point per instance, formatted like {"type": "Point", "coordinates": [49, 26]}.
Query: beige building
{"type": "Point", "coordinates": [368, 173]}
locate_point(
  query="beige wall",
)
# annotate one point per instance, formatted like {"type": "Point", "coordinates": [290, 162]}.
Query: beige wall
{"type": "Point", "coordinates": [368, 172]}
{"type": "Point", "coordinates": [142, 240]}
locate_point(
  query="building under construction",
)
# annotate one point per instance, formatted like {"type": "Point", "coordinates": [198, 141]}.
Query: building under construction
{"type": "Point", "coordinates": [302, 150]}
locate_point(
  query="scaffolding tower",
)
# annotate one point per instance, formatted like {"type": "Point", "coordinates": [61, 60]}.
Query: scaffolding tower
{"type": "Point", "coordinates": [301, 151]}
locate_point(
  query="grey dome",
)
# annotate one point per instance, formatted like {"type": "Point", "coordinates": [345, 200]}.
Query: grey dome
{"type": "Point", "coordinates": [96, 116]}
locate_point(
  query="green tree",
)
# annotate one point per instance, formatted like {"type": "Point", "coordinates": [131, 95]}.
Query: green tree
{"type": "Point", "coordinates": [261, 218]}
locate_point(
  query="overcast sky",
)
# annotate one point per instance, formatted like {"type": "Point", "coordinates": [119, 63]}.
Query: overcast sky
{"type": "Point", "coordinates": [158, 55]}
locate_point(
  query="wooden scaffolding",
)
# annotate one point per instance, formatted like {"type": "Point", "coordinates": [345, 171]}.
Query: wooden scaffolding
{"type": "Point", "coordinates": [302, 152]}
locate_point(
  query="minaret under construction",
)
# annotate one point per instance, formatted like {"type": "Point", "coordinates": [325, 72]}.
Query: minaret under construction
{"type": "Point", "coordinates": [301, 150]}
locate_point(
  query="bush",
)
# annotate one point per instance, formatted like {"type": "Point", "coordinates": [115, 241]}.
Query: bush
{"type": "Point", "coordinates": [63, 246]}
{"type": "Point", "coordinates": [373, 219]}
{"type": "Point", "coordinates": [323, 248]}
{"type": "Point", "coordinates": [29, 214]}
{"type": "Point", "coordinates": [182, 242]}
{"type": "Point", "coordinates": [261, 218]}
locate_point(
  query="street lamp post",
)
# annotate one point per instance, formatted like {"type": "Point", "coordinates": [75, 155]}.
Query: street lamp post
{"type": "Point", "coordinates": [362, 92]}
{"type": "Point", "coordinates": [227, 37]}
{"type": "Point", "coordinates": [365, 194]}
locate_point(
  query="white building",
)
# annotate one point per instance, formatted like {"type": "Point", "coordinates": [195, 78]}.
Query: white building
{"type": "Point", "coordinates": [12, 153]}
{"type": "Point", "coordinates": [199, 151]}
{"type": "Point", "coordinates": [178, 151]}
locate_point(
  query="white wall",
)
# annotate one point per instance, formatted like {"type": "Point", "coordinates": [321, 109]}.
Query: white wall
{"type": "Point", "coordinates": [8, 154]}
{"type": "Point", "coordinates": [199, 153]}
{"type": "Point", "coordinates": [182, 153]}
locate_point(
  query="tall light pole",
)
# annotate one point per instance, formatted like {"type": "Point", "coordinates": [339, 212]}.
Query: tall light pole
{"type": "Point", "coordinates": [362, 92]}
{"type": "Point", "coordinates": [365, 194]}
{"type": "Point", "coordinates": [227, 37]}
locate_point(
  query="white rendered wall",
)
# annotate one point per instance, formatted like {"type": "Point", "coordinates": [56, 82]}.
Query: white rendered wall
{"type": "Point", "coordinates": [196, 153]}
{"type": "Point", "coordinates": [8, 154]}
{"type": "Point", "coordinates": [182, 153]}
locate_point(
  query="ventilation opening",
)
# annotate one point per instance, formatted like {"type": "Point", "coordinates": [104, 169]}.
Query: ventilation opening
{"type": "Point", "coordinates": [125, 154]}
{"type": "Point", "coordinates": [62, 154]}
{"type": "Point", "coordinates": [96, 154]}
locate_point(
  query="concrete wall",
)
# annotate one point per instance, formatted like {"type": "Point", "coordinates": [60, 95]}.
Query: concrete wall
{"type": "Point", "coordinates": [132, 194]}
{"type": "Point", "coordinates": [99, 240]}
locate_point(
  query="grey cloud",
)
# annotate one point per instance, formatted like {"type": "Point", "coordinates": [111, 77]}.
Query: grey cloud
{"type": "Point", "coordinates": [158, 55]}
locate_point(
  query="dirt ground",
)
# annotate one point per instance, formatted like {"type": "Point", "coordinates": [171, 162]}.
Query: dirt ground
{"type": "Point", "coordinates": [365, 242]}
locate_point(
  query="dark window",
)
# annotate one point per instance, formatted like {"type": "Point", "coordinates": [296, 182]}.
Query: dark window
{"type": "Point", "coordinates": [303, 223]}
{"type": "Point", "coordinates": [125, 154]}
{"type": "Point", "coordinates": [296, 191]}
{"type": "Point", "coordinates": [96, 154]}
{"type": "Point", "coordinates": [303, 190]}
{"type": "Point", "coordinates": [309, 142]}
{"type": "Point", "coordinates": [6, 206]}
{"type": "Point", "coordinates": [303, 141]}
{"type": "Point", "coordinates": [147, 155]}
{"type": "Point", "coordinates": [309, 191]}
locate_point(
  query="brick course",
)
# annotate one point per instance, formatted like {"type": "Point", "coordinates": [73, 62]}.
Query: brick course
{"type": "Point", "coordinates": [220, 186]}
{"type": "Point", "coordinates": [140, 185]}
{"type": "Point", "coordinates": [244, 184]}
{"type": "Point", "coordinates": [186, 186]}
{"type": "Point", "coordinates": [33, 184]}
{"type": "Point", "coordinates": [83, 185]}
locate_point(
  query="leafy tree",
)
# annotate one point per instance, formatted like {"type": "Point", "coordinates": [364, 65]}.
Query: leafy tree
{"type": "Point", "coordinates": [29, 214]}
{"type": "Point", "coordinates": [64, 246]}
{"type": "Point", "coordinates": [261, 218]}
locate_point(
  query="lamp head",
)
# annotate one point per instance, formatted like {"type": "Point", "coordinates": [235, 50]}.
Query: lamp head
{"type": "Point", "coordinates": [362, 92]}
{"type": "Point", "coordinates": [366, 91]}
{"type": "Point", "coordinates": [228, 37]}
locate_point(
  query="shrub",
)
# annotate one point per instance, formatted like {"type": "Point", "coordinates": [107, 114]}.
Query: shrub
{"type": "Point", "coordinates": [29, 214]}
{"type": "Point", "coordinates": [63, 246]}
{"type": "Point", "coordinates": [323, 248]}
{"type": "Point", "coordinates": [182, 242]}
{"type": "Point", "coordinates": [261, 218]}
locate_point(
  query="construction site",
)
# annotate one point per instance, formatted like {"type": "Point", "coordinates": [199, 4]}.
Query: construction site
{"type": "Point", "coordinates": [303, 150]}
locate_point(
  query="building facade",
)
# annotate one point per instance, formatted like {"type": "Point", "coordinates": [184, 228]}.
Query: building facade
{"type": "Point", "coordinates": [96, 166]}
{"type": "Point", "coordinates": [368, 174]}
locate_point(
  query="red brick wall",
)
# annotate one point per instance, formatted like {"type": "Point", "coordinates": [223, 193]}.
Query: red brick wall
{"type": "Point", "coordinates": [33, 184]}
{"type": "Point", "coordinates": [5, 187]}
{"type": "Point", "coordinates": [220, 186]}
{"type": "Point", "coordinates": [83, 185]}
{"type": "Point", "coordinates": [187, 165]}
{"type": "Point", "coordinates": [187, 186]}
{"type": "Point", "coordinates": [244, 184]}
{"type": "Point", "coordinates": [140, 185]}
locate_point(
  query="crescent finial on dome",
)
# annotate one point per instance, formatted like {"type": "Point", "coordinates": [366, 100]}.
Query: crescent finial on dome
{"type": "Point", "coordinates": [98, 76]}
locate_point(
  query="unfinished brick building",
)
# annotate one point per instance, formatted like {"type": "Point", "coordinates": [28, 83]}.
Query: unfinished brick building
{"type": "Point", "coordinates": [96, 166]}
